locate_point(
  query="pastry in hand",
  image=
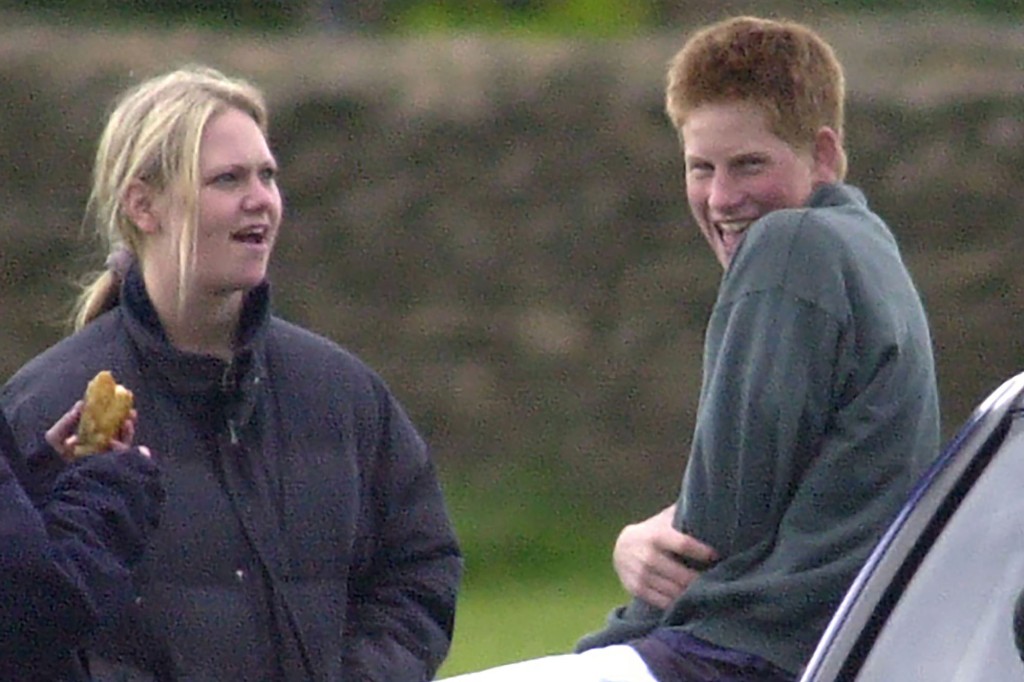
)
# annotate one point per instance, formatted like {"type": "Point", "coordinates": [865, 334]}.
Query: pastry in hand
{"type": "Point", "coordinates": [107, 406]}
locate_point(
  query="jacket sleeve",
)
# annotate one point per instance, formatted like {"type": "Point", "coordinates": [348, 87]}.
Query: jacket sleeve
{"type": "Point", "coordinates": [40, 470]}
{"type": "Point", "coordinates": [64, 564]}
{"type": "Point", "coordinates": [401, 609]}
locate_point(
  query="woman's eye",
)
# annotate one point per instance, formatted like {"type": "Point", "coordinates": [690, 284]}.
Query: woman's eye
{"type": "Point", "coordinates": [225, 178]}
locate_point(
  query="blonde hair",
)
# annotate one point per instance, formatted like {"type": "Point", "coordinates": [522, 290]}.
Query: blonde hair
{"type": "Point", "coordinates": [782, 67]}
{"type": "Point", "coordinates": [153, 135]}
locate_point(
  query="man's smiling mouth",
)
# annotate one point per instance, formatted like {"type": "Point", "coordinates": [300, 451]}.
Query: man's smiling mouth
{"type": "Point", "coordinates": [733, 227]}
{"type": "Point", "coordinates": [731, 234]}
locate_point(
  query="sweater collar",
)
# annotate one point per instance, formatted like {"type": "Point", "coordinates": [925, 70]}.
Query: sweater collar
{"type": "Point", "coordinates": [837, 194]}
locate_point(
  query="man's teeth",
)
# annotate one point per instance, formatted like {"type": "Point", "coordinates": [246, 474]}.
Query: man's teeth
{"type": "Point", "coordinates": [735, 226]}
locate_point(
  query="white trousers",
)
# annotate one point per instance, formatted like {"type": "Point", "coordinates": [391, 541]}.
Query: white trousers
{"type": "Point", "coordinates": [617, 663]}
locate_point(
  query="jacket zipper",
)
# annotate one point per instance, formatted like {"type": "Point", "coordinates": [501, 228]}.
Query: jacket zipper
{"type": "Point", "coordinates": [225, 388]}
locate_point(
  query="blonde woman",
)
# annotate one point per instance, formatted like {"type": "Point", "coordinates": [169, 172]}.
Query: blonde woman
{"type": "Point", "coordinates": [304, 535]}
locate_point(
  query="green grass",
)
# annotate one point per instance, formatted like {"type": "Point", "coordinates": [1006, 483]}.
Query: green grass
{"type": "Point", "coordinates": [538, 570]}
{"type": "Point", "coordinates": [502, 619]}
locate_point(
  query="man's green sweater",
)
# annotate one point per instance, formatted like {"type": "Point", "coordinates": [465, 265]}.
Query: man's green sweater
{"type": "Point", "coordinates": [818, 412]}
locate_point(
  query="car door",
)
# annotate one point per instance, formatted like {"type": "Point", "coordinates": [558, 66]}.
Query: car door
{"type": "Point", "coordinates": [935, 602]}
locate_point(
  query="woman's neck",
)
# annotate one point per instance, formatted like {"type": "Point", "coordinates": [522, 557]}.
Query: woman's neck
{"type": "Point", "coordinates": [202, 324]}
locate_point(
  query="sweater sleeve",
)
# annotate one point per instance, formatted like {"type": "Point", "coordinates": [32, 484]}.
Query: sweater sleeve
{"type": "Point", "coordinates": [402, 602]}
{"type": "Point", "coordinates": [64, 565]}
{"type": "Point", "coordinates": [762, 417]}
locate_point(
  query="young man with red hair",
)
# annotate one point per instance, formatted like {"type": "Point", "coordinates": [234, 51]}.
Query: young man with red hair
{"type": "Point", "coordinates": [818, 408]}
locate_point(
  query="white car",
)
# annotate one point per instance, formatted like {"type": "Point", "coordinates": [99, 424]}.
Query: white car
{"type": "Point", "coordinates": [940, 600]}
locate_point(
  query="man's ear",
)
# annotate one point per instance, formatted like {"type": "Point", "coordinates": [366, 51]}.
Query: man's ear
{"type": "Point", "coordinates": [141, 206]}
{"type": "Point", "coordinates": [828, 156]}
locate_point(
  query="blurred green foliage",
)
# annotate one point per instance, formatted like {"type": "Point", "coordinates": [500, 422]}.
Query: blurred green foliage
{"type": "Point", "coordinates": [566, 17]}
{"type": "Point", "coordinates": [243, 14]}
{"type": "Point", "coordinates": [593, 18]}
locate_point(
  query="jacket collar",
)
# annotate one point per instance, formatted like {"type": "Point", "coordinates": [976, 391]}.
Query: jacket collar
{"type": "Point", "coordinates": [193, 372]}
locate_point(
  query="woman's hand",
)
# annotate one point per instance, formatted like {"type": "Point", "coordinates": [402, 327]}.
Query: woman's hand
{"type": "Point", "coordinates": [651, 559]}
{"type": "Point", "coordinates": [61, 436]}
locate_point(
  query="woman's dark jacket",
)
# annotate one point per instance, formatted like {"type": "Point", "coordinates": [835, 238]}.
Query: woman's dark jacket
{"type": "Point", "coordinates": [63, 564]}
{"type": "Point", "coordinates": [304, 535]}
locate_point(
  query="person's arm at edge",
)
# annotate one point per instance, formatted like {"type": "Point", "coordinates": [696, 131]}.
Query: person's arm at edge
{"type": "Point", "coordinates": [65, 565]}
{"type": "Point", "coordinates": [65, 553]}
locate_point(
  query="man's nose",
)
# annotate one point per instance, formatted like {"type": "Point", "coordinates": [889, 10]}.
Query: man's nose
{"type": "Point", "coordinates": [725, 193]}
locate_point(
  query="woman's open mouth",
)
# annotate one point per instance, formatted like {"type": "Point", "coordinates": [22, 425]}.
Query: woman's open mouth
{"type": "Point", "coordinates": [256, 235]}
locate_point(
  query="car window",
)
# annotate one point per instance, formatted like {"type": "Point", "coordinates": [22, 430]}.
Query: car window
{"type": "Point", "coordinates": [954, 620]}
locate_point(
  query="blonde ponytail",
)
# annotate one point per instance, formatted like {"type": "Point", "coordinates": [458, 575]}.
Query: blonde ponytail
{"type": "Point", "coordinates": [101, 293]}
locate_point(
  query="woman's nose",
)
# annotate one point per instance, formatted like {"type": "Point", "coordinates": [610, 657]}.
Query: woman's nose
{"type": "Point", "coordinates": [259, 194]}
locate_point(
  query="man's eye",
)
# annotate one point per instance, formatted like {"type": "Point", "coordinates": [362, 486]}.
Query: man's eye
{"type": "Point", "coordinates": [268, 174]}
{"type": "Point", "coordinates": [750, 165]}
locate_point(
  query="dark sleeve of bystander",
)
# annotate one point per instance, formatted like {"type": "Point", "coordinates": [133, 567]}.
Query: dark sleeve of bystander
{"type": "Point", "coordinates": [65, 557]}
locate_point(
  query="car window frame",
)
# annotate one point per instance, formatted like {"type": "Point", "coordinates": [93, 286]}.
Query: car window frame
{"type": "Point", "coordinates": [897, 556]}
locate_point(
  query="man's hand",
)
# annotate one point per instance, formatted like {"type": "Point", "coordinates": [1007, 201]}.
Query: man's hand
{"type": "Point", "coordinates": [651, 559]}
